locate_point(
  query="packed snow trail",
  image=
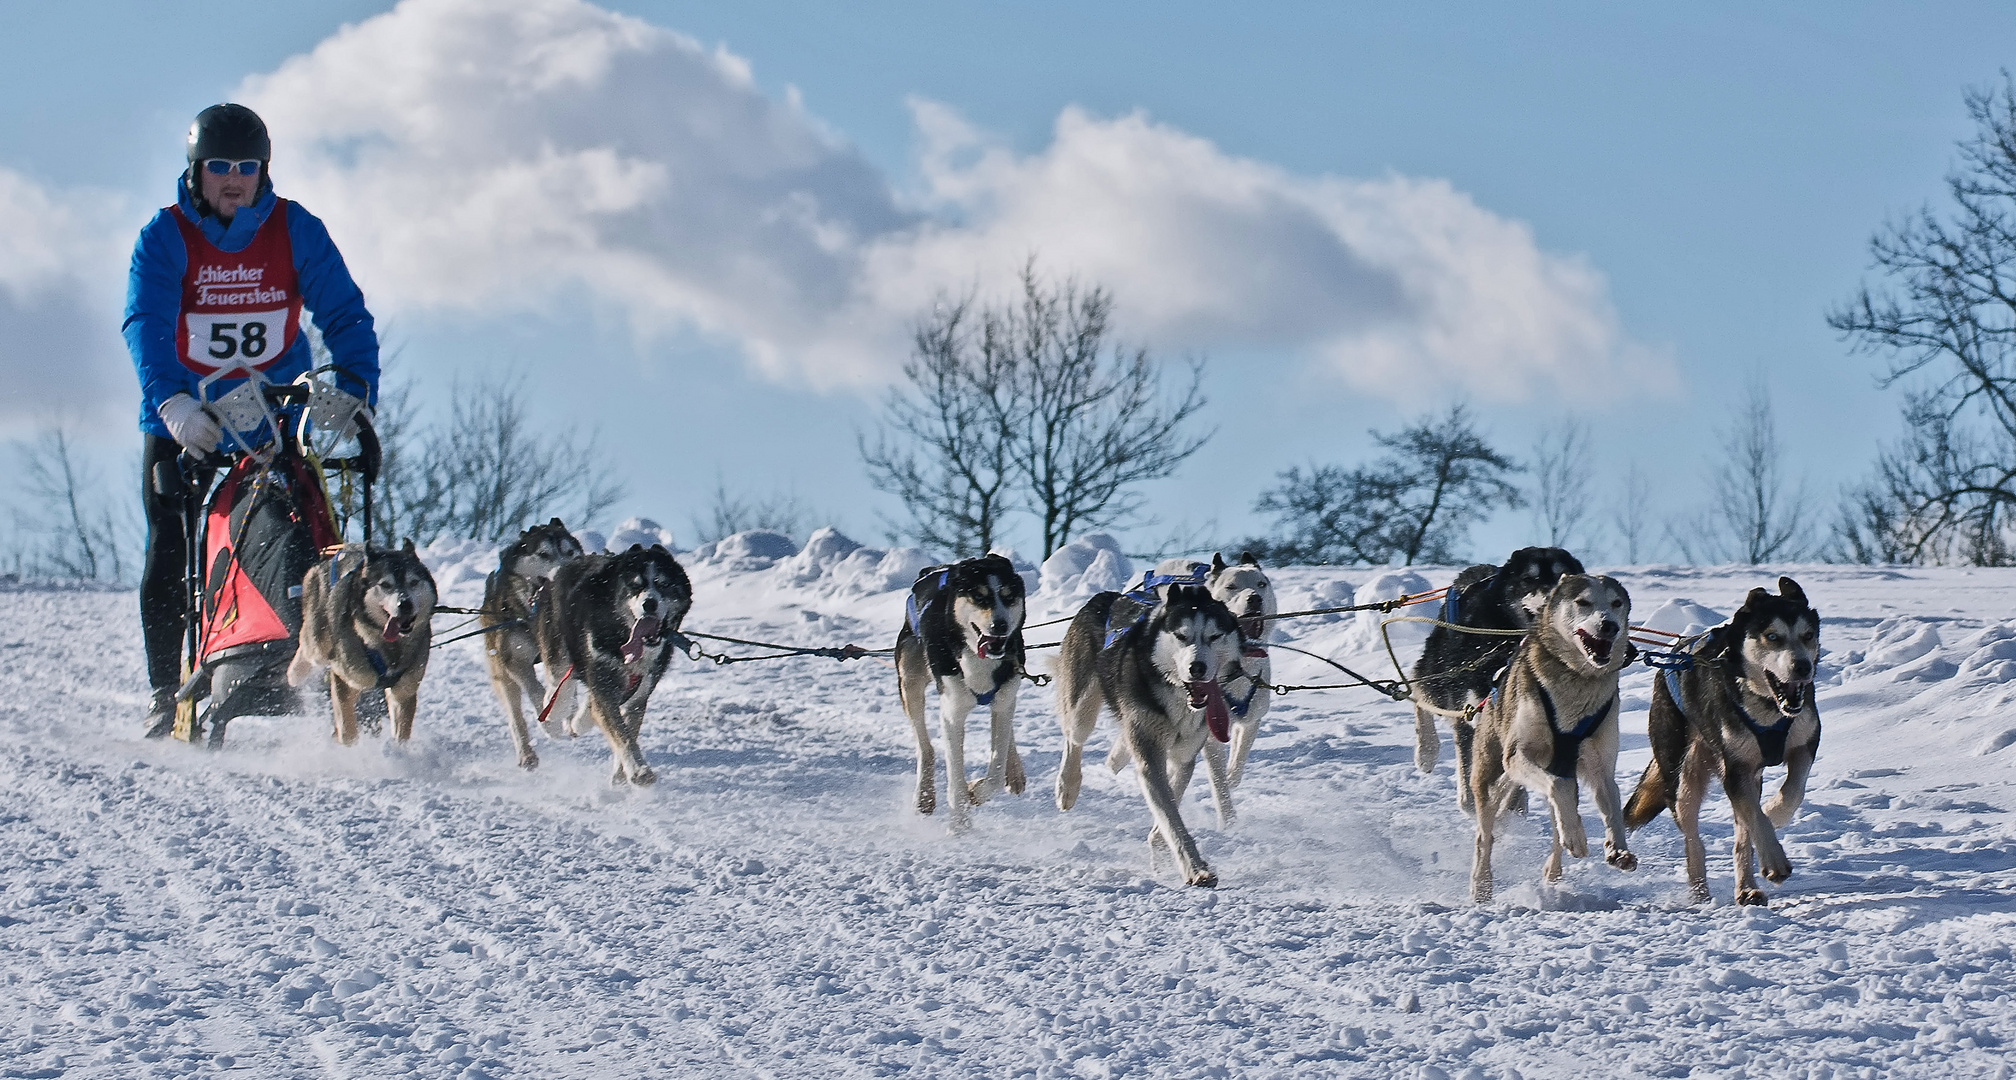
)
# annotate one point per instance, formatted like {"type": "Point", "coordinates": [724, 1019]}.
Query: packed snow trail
{"type": "Point", "coordinates": [290, 907]}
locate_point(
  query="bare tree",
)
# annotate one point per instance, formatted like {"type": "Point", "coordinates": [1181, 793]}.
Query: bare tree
{"type": "Point", "coordinates": [67, 527]}
{"type": "Point", "coordinates": [728, 514]}
{"type": "Point", "coordinates": [488, 473]}
{"type": "Point", "coordinates": [1418, 502]}
{"type": "Point", "coordinates": [1634, 512]}
{"type": "Point", "coordinates": [1561, 482]}
{"type": "Point", "coordinates": [1947, 491]}
{"type": "Point", "coordinates": [1093, 420]}
{"type": "Point", "coordinates": [1753, 517]}
{"type": "Point", "coordinates": [1027, 407]}
{"type": "Point", "coordinates": [945, 445]}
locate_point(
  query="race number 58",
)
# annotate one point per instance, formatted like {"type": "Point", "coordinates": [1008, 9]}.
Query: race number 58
{"type": "Point", "coordinates": [228, 339]}
{"type": "Point", "coordinates": [249, 342]}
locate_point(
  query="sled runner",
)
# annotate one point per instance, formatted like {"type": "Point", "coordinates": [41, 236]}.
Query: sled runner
{"type": "Point", "coordinates": [263, 526]}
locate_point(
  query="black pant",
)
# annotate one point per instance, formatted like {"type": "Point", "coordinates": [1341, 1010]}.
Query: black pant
{"type": "Point", "coordinates": [164, 592]}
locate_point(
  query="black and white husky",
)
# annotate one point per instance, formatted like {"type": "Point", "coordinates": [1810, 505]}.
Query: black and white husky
{"type": "Point", "coordinates": [1159, 667]}
{"type": "Point", "coordinates": [614, 618]}
{"type": "Point", "coordinates": [365, 617]}
{"type": "Point", "coordinates": [962, 631]}
{"type": "Point", "coordinates": [1745, 703]}
{"type": "Point", "coordinates": [1456, 669]}
{"type": "Point", "coordinates": [512, 598]}
{"type": "Point", "coordinates": [1552, 722]}
{"type": "Point", "coordinates": [1245, 591]}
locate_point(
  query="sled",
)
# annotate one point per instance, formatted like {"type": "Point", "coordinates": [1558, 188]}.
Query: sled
{"type": "Point", "coordinates": [264, 525]}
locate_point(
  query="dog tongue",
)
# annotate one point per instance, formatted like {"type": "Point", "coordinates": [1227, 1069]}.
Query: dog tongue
{"type": "Point", "coordinates": [633, 650]}
{"type": "Point", "coordinates": [993, 648]}
{"type": "Point", "coordinates": [392, 631]}
{"type": "Point", "coordinates": [1217, 716]}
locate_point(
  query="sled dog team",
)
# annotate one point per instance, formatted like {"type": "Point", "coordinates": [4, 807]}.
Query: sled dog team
{"type": "Point", "coordinates": [1181, 663]}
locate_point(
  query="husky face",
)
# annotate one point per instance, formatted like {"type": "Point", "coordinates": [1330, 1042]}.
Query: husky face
{"type": "Point", "coordinates": [1778, 641]}
{"type": "Point", "coordinates": [398, 591]}
{"type": "Point", "coordinates": [1244, 590]}
{"type": "Point", "coordinates": [652, 592]}
{"type": "Point", "coordinates": [1584, 619]}
{"type": "Point", "coordinates": [1197, 642]}
{"type": "Point", "coordinates": [540, 550]}
{"type": "Point", "coordinates": [989, 602]}
{"type": "Point", "coordinates": [1530, 574]}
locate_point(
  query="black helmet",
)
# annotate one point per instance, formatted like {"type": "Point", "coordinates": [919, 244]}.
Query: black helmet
{"type": "Point", "coordinates": [229, 131]}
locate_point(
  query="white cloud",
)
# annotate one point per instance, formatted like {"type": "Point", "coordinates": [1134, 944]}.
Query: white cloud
{"type": "Point", "coordinates": [62, 266]}
{"type": "Point", "coordinates": [477, 156]}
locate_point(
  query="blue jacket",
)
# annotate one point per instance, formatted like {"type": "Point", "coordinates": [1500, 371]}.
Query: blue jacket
{"type": "Point", "coordinates": [154, 303]}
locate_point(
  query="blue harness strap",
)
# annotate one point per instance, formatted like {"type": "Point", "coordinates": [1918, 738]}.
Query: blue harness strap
{"type": "Point", "coordinates": [913, 611]}
{"type": "Point", "coordinates": [1770, 737]}
{"type": "Point", "coordinates": [1133, 607]}
{"type": "Point", "coordinates": [1568, 744]}
{"type": "Point", "coordinates": [1240, 707]}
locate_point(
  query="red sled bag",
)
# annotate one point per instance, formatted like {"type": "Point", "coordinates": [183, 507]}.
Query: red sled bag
{"type": "Point", "coordinates": [265, 526]}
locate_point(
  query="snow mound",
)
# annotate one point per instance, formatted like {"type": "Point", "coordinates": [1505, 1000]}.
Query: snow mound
{"type": "Point", "coordinates": [637, 530]}
{"type": "Point", "coordinates": [1334, 592]}
{"type": "Point", "coordinates": [1087, 565]}
{"type": "Point", "coordinates": [1682, 616]}
{"type": "Point", "coordinates": [459, 562]}
{"type": "Point", "coordinates": [745, 552]}
{"type": "Point", "coordinates": [1364, 634]}
{"type": "Point", "coordinates": [1906, 648]}
{"type": "Point", "coordinates": [833, 562]}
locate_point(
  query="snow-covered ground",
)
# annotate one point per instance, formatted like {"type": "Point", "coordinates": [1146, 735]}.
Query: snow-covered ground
{"type": "Point", "coordinates": [289, 907]}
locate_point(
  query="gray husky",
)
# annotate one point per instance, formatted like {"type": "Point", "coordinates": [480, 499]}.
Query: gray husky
{"type": "Point", "coordinates": [512, 597]}
{"type": "Point", "coordinates": [364, 616]}
{"type": "Point", "coordinates": [614, 619]}
{"type": "Point", "coordinates": [1744, 704]}
{"type": "Point", "coordinates": [1158, 666]}
{"type": "Point", "coordinates": [962, 631]}
{"type": "Point", "coordinates": [1553, 721]}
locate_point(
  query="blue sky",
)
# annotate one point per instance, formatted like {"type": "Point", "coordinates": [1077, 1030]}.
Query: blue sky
{"type": "Point", "coordinates": [1625, 214]}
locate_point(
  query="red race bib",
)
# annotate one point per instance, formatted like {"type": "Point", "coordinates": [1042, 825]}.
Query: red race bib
{"type": "Point", "coordinates": [239, 309]}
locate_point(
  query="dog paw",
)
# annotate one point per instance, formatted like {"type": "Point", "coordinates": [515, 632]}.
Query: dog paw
{"type": "Point", "coordinates": [927, 801]}
{"type": "Point", "coordinates": [1480, 891]}
{"type": "Point", "coordinates": [1551, 872]}
{"type": "Point", "coordinates": [978, 792]}
{"type": "Point", "coordinates": [1752, 897]}
{"type": "Point", "coordinates": [528, 761]}
{"type": "Point", "coordinates": [1619, 858]}
{"type": "Point", "coordinates": [1203, 878]}
{"type": "Point", "coordinates": [1426, 755]}
{"type": "Point", "coordinates": [1697, 893]}
{"type": "Point", "coordinates": [644, 777]}
{"type": "Point", "coordinates": [1777, 870]}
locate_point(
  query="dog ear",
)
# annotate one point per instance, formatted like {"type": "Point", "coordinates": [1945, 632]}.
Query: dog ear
{"type": "Point", "coordinates": [1757, 599]}
{"type": "Point", "coordinates": [1791, 591]}
{"type": "Point", "coordinates": [1249, 559]}
{"type": "Point", "coordinates": [555, 523]}
{"type": "Point", "coordinates": [407, 547]}
{"type": "Point", "coordinates": [635, 547]}
{"type": "Point", "coordinates": [1217, 564]}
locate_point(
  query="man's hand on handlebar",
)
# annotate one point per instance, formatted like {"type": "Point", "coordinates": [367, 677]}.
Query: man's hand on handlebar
{"type": "Point", "coordinates": [191, 423]}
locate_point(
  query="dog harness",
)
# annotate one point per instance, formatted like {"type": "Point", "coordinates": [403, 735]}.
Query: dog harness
{"type": "Point", "coordinates": [1568, 744]}
{"type": "Point", "coordinates": [1133, 607]}
{"type": "Point", "coordinates": [943, 664]}
{"type": "Point", "coordinates": [1770, 737]}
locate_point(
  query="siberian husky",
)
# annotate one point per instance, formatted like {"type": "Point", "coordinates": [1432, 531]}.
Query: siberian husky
{"type": "Point", "coordinates": [1159, 666]}
{"type": "Point", "coordinates": [1456, 669]}
{"type": "Point", "coordinates": [962, 631]}
{"type": "Point", "coordinates": [614, 619]}
{"type": "Point", "coordinates": [1553, 720]}
{"type": "Point", "coordinates": [1705, 722]}
{"type": "Point", "coordinates": [512, 598]}
{"type": "Point", "coordinates": [1244, 590]}
{"type": "Point", "coordinates": [364, 617]}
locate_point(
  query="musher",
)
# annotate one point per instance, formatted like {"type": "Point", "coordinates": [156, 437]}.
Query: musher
{"type": "Point", "coordinates": [219, 280]}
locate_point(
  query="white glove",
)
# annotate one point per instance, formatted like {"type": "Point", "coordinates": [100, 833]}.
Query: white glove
{"type": "Point", "coordinates": [192, 425]}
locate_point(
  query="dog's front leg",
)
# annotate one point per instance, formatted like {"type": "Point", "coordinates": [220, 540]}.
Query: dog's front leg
{"type": "Point", "coordinates": [402, 700]}
{"type": "Point", "coordinates": [911, 681]}
{"type": "Point", "coordinates": [1218, 771]}
{"type": "Point", "coordinates": [1488, 801]}
{"type": "Point", "coordinates": [1004, 763]}
{"type": "Point", "coordinates": [1561, 801]}
{"type": "Point", "coordinates": [1756, 840]}
{"type": "Point", "coordinates": [1154, 772]}
{"type": "Point", "coordinates": [1792, 793]}
{"type": "Point", "coordinates": [1245, 730]}
{"type": "Point", "coordinates": [955, 702]}
{"type": "Point", "coordinates": [343, 703]}
{"type": "Point", "coordinates": [1610, 806]}
{"type": "Point", "coordinates": [516, 688]}
{"type": "Point", "coordinates": [641, 774]}
{"type": "Point", "coordinates": [1077, 717]}
{"type": "Point", "coordinates": [603, 708]}
{"type": "Point", "coordinates": [1688, 795]}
